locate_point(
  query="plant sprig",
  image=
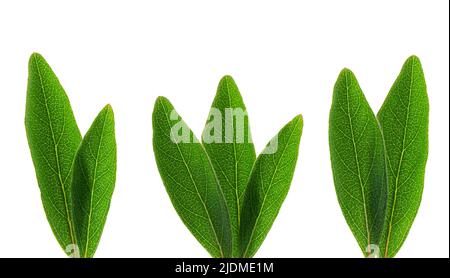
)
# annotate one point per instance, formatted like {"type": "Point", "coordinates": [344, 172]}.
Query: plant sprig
{"type": "Point", "coordinates": [76, 176]}
{"type": "Point", "coordinates": [379, 162]}
{"type": "Point", "coordinates": [225, 196]}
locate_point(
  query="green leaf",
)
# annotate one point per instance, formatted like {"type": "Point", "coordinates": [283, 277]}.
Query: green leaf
{"type": "Point", "coordinates": [358, 162]}
{"type": "Point", "coordinates": [94, 177]}
{"type": "Point", "coordinates": [190, 180]}
{"type": "Point", "coordinates": [404, 122]}
{"type": "Point", "coordinates": [53, 138]}
{"type": "Point", "coordinates": [268, 186]}
{"type": "Point", "coordinates": [228, 142]}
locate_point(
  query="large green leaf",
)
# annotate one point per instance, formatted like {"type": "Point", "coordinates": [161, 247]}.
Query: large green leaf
{"type": "Point", "coordinates": [404, 122]}
{"type": "Point", "coordinates": [358, 162]}
{"type": "Point", "coordinates": [94, 177]}
{"type": "Point", "coordinates": [190, 180]}
{"type": "Point", "coordinates": [268, 186]}
{"type": "Point", "coordinates": [53, 137]}
{"type": "Point", "coordinates": [228, 142]}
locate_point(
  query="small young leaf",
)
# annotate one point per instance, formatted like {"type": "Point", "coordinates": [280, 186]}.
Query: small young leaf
{"type": "Point", "coordinates": [94, 177]}
{"type": "Point", "coordinates": [404, 122]}
{"type": "Point", "coordinates": [190, 180]}
{"type": "Point", "coordinates": [268, 186]}
{"type": "Point", "coordinates": [358, 162]}
{"type": "Point", "coordinates": [53, 138]}
{"type": "Point", "coordinates": [228, 142]}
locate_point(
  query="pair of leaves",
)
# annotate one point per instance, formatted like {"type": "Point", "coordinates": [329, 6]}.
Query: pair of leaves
{"type": "Point", "coordinates": [76, 176]}
{"type": "Point", "coordinates": [378, 162]}
{"type": "Point", "coordinates": [225, 196]}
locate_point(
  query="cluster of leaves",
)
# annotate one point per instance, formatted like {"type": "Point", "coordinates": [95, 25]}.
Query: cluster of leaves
{"type": "Point", "coordinates": [76, 176]}
{"type": "Point", "coordinates": [379, 161]}
{"type": "Point", "coordinates": [225, 196]}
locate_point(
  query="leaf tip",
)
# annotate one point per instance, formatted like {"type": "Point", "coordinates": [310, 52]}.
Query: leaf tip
{"type": "Point", "coordinates": [36, 55]}
{"type": "Point", "coordinates": [345, 76]}
{"type": "Point", "coordinates": [346, 72]}
{"type": "Point", "coordinates": [161, 104]}
{"type": "Point", "coordinates": [227, 78]}
{"type": "Point", "coordinates": [34, 59]}
{"type": "Point", "coordinates": [227, 81]}
{"type": "Point", "coordinates": [106, 113]}
{"type": "Point", "coordinates": [299, 118]}
{"type": "Point", "coordinates": [413, 61]}
{"type": "Point", "coordinates": [413, 58]}
{"type": "Point", "coordinates": [108, 108]}
{"type": "Point", "coordinates": [298, 121]}
{"type": "Point", "coordinates": [161, 100]}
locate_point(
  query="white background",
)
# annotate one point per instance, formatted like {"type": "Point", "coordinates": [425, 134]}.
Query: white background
{"type": "Point", "coordinates": [285, 57]}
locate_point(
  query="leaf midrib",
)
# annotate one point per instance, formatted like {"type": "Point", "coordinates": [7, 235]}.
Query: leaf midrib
{"type": "Point", "coordinates": [195, 184]}
{"type": "Point", "coordinates": [357, 163]}
{"type": "Point", "coordinates": [93, 184]}
{"type": "Point", "coordinates": [236, 190]}
{"type": "Point", "coordinates": [391, 217]}
{"type": "Point", "coordinates": [268, 189]}
{"type": "Point", "coordinates": [60, 179]}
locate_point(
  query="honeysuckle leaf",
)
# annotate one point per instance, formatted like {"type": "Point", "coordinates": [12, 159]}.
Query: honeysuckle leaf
{"type": "Point", "coordinates": [76, 177]}
{"type": "Point", "coordinates": [190, 180]}
{"type": "Point", "coordinates": [358, 162]}
{"type": "Point", "coordinates": [53, 138]}
{"type": "Point", "coordinates": [404, 122]}
{"type": "Point", "coordinates": [228, 143]}
{"type": "Point", "coordinates": [268, 186]}
{"type": "Point", "coordinates": [94, 175]}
